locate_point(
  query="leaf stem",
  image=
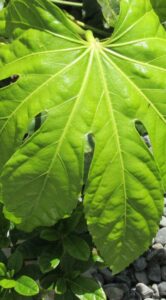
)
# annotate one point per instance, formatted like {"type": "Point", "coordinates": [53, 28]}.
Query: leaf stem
{"type": "Point", "coordinates": [77, 4]}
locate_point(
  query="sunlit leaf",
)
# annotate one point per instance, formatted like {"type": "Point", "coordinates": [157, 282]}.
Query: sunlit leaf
{"type": "Point", "coordinates": [85, 87]}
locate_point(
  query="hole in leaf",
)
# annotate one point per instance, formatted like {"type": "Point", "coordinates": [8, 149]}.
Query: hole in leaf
{"type": "Point", "coordinates": [35, 124]}
{"type": "Point", "coordinates": [9, 80]}
{"type": "Point", "coordinates": [143, 133]}
{"type": "Point", "coordinates": [88, 156]}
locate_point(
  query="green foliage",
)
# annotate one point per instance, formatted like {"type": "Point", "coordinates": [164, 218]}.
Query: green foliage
{"type": "Point", "coordinates": [47, 262]}
{"type": "Point", "coordinates": [73, 110]}
{"type": "Point", "coordinates": [26, 286]}
{"type": "Point", "coordinates": [76, 247]}
{"type": "Point", "coordinates": [160, 8]}
{"type": "Point", "coordinates": [87, 289]}
{"type": "Point", "coordinates": [110, 9]}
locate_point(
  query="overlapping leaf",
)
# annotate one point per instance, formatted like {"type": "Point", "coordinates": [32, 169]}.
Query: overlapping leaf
{"type": "Point", "coordinates": [85, 88]}
{"type": "Point", "coordinates": [160, 8]}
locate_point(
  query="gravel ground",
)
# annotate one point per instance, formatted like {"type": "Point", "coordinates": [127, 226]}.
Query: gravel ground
{"type": "Point", "coordinates": [145, 278]}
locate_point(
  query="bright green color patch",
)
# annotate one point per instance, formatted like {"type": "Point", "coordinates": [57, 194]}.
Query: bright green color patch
{"type": "Point", "coordinates": [7, 283]}
{"type": "Point", "coordinates": [26, 286]}
{"type": "Point", "coordinates": [85, 87]}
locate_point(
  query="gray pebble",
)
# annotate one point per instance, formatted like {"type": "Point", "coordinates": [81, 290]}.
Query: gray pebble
{"type": "Point", "coordinates": [142, 277]}
{"type": "Point", "coordinates": [114, 292]}
{"type": "Point", "coordinates": [161, 236]}
{"type": "Point", "coordinates": [158, 256]}
{"type": "Point", "coordinates": [165, 201]}
{"type": "Point", "coordinates": [163, 221]}
{"type": "Point", "coordinates": [107, 275]}
{"type": "Point", "coordinates": [154, 273]}
{"type": "Point", "coordinates": [144, 290]}
{"type": "Point", "coordinates": [124, 278]}
{"type": "Point", "coordinates": [140, 264]}
{"type": "Point", "coordinates": [156, 291]}
{"type": "Point", "coordinates": [163, 273]}
{"type": "Point", "coordinates": [164, 213]}
{"type": "Point", "coordinates": [162, 288]}
{"type": "Point", "coordinates": [157, 246]}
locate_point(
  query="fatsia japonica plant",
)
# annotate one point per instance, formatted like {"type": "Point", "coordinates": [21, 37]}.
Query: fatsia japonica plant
{"type": "Point", "coordinates": [73, 105]}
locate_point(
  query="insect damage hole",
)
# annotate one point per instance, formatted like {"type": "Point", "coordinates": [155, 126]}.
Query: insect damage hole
{"type": "Point", "coordinates": [143, 133]}
{"type": "Point", "coordinates": [9, 80]}
{"type": "Point", "coordinates": [88, 156]}
{"type": "Point", "coordinates": [35, 124]}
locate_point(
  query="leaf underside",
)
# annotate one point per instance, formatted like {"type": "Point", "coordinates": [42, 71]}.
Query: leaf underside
{"type": "Point", "coordinates": [85, 87]}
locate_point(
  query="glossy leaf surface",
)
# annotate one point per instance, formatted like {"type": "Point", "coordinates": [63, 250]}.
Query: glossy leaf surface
{"type": "Point", "coordinates": [86, 88]}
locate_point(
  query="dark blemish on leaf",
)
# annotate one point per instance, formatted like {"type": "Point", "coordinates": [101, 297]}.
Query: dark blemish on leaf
{"type": "Point", "coordinates": [140, 128]}
{"type": "Point", "coordinates": [35, 124]}
{"type": "Point", "coordinates": [88, 156]}
{"type": "Point", "coordinates": [9, 80]}
{"type": "Point", "coordinates": [143, 133]}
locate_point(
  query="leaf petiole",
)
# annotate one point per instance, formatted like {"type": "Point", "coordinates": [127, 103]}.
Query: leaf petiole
{"type": "Point", "coordinates": [77, 4]}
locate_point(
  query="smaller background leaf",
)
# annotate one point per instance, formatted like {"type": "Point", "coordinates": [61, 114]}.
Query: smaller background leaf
{"type": "Point", "coordinates": [77, 247]}
{"type": "Point", "coordinates": [160, 8]}
{"type": "Point", "coordinates": [15, 261]}
{"type": "Point", "coordinates": [87, 289]}
{"type": "Point", "coordinates": [60, 287]}
{"type": "Point", "coordinates": [2, 269]}
{"type": "Point", "coordinates": [7, 283]}
{"type": "Point", "coordinates": [26, 286]}
{"type": "Point", "coordinates": [49, 260]}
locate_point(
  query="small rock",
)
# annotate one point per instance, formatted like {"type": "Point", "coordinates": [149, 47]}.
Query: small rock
{"type": "Point", "coordinates": [163, 273]}
{"type": "Point", "coordinates": [107, 275]}
{"type": "Point", "coordinates": [154, 273]}
{"type": "Point", "coordinates": [124, 277]}
{"type": "Point", "coordinates": [164, 212]}
{"type": "Point", "coordinates": [161, 236]}
{"type": "Point", "coordinates": [140, 264]}
{"type": "Point", "coordinates": [158, 256]}
{"type": "Point", "coordinates": [156, 291]}
{"type": "Point", "coordinates": [142, 277]}
{"type": "Point", "coordinates": [163, 221]}
{"type": "Point", "coordinates": [134, 295]}
{"type": "Point", "coordinates": [157, 246]}
{"type": "Point", "coordinates": [114, 292]}
{"type": "Point", "coordinates": [162, 288]}
{"type": "Point", "coordinates": [144, 290]}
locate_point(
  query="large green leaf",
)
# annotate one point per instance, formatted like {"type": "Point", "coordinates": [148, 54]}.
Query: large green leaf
{"type": "Point", "coordinates": [87, 88]}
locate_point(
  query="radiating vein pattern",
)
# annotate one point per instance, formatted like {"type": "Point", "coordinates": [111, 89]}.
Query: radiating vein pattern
{"type": "Point", "coordinates": [86, 87]}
